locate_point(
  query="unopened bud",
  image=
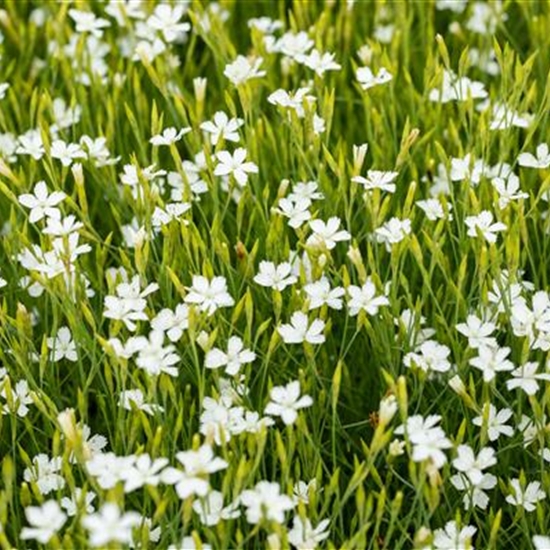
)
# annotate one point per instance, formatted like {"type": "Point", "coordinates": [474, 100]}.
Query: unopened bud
{"type": "Point", "coordinates": [78, 174]}
{"type": "Point", "coordinates": [457, 385]}
{"type": "Point", "coordinates": [283, 187]}
{"type": "Point", "coordinates": [202, 340]}
{"type": "Point", "coordinates": [397, 447]}
{"type": "Point", "coordinates": [364, 53]}
{"type": "Point", "coordinates": [387, 410]}
{"type": "Point", "coordinates": [67, 423]}
{"type": "Point", "coordinates": [199, 85]}
{"type": "Point", "coordinates": [359, 153]}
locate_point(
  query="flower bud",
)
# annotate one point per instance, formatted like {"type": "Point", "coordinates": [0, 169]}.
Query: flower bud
{"type": "Point", "coordinates": [457, 385]}
{"type": "Point", "coordinates": [67, 423]}
{"type": "Point", "coordinates": [365, 54]}
{"type": "Point", "coordinates": [387, 410]}
{"type": "Point", "coordinates": [283, 188]}
{"type": "Point", "coordinates": [78, 174]}
{"type": "Point", "coordinates": [359, 153]}
{"type": "Point", "coordinates": [397, 447]}
{"type": "Point", "coordinates": [199, 85]}
{"type": "Point", "coordinates": [202, 340]}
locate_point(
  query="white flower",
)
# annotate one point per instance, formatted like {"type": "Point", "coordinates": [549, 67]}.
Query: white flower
{"type": "Point", "coordinates": [364, 298]}
{"type": "Point", "coordinates": [478, 332]}
{"type": "Point", "coordinates": [475, 495]}
{"type": "Point", "coordinates": [377, 179]}
{"type": "Point", "coordinates": [20, 398]}
{"type": "Point", "coordinates": [86, 21]}
{"type": "Point", "coordinates": [172, 211]}
{"type": "Point", "coordinates": [491, 360]}
{"type": "Point", "coordinates": [305, 190]}
{"type": "Point", "coordinates": [211, 510]}
{"type": "Point", "coordinates": [319, 124]}
{"type": "Point", "coordinates": [30, 143]}
{"type": "Point", "coordinates": [304, 537]}
{"type": "Point", "coordinates": [222, 127]}
{"type": "Point", "coordinates": [412, 323]}
{"type": "Point", "coordinates": [45, 521]}
{"type": "Point", "coordinates": [540, 161]}
{"type": "Point", "coordinates": [97, 151]}
{"type": "Point", "coordinates": [110, 525]}
{"type": "Point", "coordinates": [532, 322]}
{"type": "Point", "coordinates": [123, 10]}
{"type": "Point", "coordinates": [468, 168]}
{"type": "Point", "coordinates": [541, 543]}
{"type": "Point", "coordinates": [286, 401]}
{"type": "Point", "coordinates": [326, 235]}
{"type": "Point", "coordinates": [192, 480]}
{"type": "Point", "coordinates": [209, 295]}
{"type": "Point", "coordinates": [367, 79]}
{"type": "Point", "coordinates": [143, 471]}
{"type": "Point", "coordinates": [4, 86]}
{"type": "Point", "coordinates": [166, 19]}
{"type": "Point", "coordinates": [152, 534]}
{"type": "Point", "coordinates": [45, 473]}
{"type": "Point", "coordinates": [296, 210]}
{"type": "Point", "coordinates": [527, 497]}
{"type": "Point", "coordinates": [457, 6]}
{"type": "Point", "coordinates": [8, 146]}
{"type": "Point", "coordinates": [471, 465]}
{"type": "Point", "coordinates": [504, 117]}
{"type": "Point", "coordinates": [393, 232]}
{"type": "Point", "coordinates": [265, 24]}
{"type": "Point", "coordinates": [483, 223]}
{"type": "Point", "coordinates": [428, 440]}
{"type": "Point", "coordinates": [78, 500]}
{"type": "Point", "coordinates": [93, 444]}
{"type": "Point", "coordinates": [169, 136]}
{"type": "Point", "coordinates": [496, 421]}
{"type": "Point", "coordinates": [66, 152]}
{"type": "Point", "coordinates": [531, 430]}
{"type": "Point", "coordinates": [319, 62]}
{"type": "Point", "coordinates": [62, 346]}
{"type": "Point", "coordinates": [277, 277]}
{"type": "Point", "coordinates": [136, 398]}
{"type": "Point", "coordinates": [454, 88]}
{"type": "Point", "coordinates": [243, 69]}
{"type": "Point", "coordinates": [218, 419]}
{"type": "Point", "coordinates": [299, 330]}
{"type": "Point", "coordinates": [155, 358]}
{"type": "Point", "coordinates": [508, 190]}
{"type": "Point", "coordinates": [451, 538]}
{"type": "Point", "coordinates": [434, 209]}
{"type": "Point", "coordinates": [235, 165]}
{"type": "Point", "coordinates": [292, 45]}
{"type": "Point", "coordinates": [233, 360]}
{"type": "Point", "coordinates": [129, 303]}
{"type": "Point", "coordinates": [172, 322]}
{"type": "Point", "coordinates": [292, 100]}
{"type": "Point", "coordinates": [430, 356]}
{"type": "Point", "coordinates": [265, 501]}
{"type": "Point", "coordinates": [301, 490]}
{"type": "Point", "coordinates": [319, 293]}
{"type": "Point", "coordinates": [526, 378]}
{"type": "Point", "coordinates": [42, 203]}
{"type": "Point", "coordinates": [188, 543]}
{"type": "Point", "coordinates": [107, 468]}
{"type": "Point", "coordinates": [60, 227]}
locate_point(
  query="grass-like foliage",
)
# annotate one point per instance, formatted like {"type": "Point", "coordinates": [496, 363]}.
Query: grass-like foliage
{"type": "Point", "coordinates": [274, 274]}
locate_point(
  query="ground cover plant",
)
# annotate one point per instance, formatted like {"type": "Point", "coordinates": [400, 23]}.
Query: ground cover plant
{"type": "Point", "coordinates": [274, 274]}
